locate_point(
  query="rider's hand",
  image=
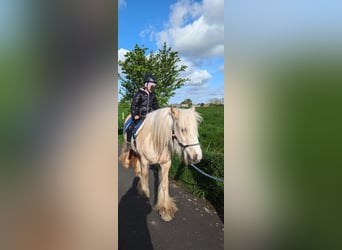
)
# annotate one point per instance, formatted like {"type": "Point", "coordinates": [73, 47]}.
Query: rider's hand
{"type": "Point", "coordinates": [136, 117]}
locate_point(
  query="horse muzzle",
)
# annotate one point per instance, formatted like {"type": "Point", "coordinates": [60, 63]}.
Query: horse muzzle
{"type": "Point", "coordinates": [197, 158]}
{"type": "Point", "coordinates": [194, 157]}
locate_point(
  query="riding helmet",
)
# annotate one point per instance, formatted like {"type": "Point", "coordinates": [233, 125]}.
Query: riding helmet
{"type": "Point", "coordinates": [150, 78]}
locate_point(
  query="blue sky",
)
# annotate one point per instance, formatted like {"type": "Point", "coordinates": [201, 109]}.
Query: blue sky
{"type": "Point", "coordinates": [193, 28]}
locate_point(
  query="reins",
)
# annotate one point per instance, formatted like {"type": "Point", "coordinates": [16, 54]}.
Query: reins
{"type": "Point", "coordinates": [174, 137]}
{"type": "Point", "coordinates": [206, 174]}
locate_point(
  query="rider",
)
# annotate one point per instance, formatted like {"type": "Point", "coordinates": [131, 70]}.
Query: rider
{"type": "Point", "coordinates": [144, 101]}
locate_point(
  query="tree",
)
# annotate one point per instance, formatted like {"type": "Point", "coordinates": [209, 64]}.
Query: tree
{"type": "Point", "coordinates": [216, 101]}
{"type": "Point", "coordinates": [164, 65]}
{"type": "Point", "coordinates": [187, 102]}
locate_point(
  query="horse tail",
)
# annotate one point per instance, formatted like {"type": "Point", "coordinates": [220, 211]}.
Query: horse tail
{"type": "Point", "coordinates": [130, 159]}
{"type": "Point", "coordinates": [124, 158]}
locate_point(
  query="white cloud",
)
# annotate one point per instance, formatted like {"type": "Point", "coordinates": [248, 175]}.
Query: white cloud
{"type": "Point", "coordinates": [121, 57]}
{"type": "Point", "coordinates": [197, 94]}
{"type": "Point", "coordinates": [199, 77]}
{"type": "Point", "coordinates": [195, 29]}
{"type": "Point", "coordinates": [121, 54]}
{"type": "Point", "coordinates": [183, 11]}
{"type": "Point", "coordinates": [148, 32]}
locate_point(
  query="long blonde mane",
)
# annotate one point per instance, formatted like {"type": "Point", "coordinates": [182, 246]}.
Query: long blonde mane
{"type": "Point", "coordinates": [159, 123]}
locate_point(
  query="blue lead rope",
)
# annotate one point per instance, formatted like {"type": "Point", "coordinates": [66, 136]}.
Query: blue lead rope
{"type": "Point", "coordinates": [204, 173]}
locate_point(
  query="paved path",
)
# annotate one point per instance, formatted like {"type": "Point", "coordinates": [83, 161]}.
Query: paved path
{"type": "Point", "coordinates": [195, 226]}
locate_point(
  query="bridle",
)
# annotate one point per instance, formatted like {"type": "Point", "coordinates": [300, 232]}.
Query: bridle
{"type": "Point", "coordinates": [174, 137]}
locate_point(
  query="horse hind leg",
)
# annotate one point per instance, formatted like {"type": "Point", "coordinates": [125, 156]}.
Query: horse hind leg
{"type": "Point", "coordinates": [165, 204]}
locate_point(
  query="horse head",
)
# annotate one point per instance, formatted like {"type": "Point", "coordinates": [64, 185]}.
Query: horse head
{"type": "Point", "coordinates": [185, 134]}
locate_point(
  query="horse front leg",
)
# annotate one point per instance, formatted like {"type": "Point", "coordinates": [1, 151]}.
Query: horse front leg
{"type": "Point", "coordinates": [143, 187]}
{"type": "Point", "coordinates": [165, 204]}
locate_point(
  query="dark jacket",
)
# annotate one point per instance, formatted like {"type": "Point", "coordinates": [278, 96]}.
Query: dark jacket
{"type": "Point", "coordinates": [143, 103]}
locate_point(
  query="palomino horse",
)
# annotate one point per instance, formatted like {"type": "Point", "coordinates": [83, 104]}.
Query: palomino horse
{"type": "Point", "coordinates": [164, 131]}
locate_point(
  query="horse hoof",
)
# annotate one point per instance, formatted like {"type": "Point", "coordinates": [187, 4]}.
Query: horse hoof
{"type": "Point", "coordinates": [166, 217]}
{"type": "Point", "coordinates": [167, 214]}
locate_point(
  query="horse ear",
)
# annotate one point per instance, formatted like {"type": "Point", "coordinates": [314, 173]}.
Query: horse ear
{"type": "Point", "coordinates": [174, 112]}
{"type": "Point", "coordinates": [193, 108]}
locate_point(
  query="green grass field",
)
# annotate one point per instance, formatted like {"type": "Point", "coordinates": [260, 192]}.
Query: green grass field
{"type": "Point", "coordinates": [211, 136]}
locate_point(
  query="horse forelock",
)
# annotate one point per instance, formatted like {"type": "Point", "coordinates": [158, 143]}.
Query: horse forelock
{"type": "Point", "coordinates": [190, 119]}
